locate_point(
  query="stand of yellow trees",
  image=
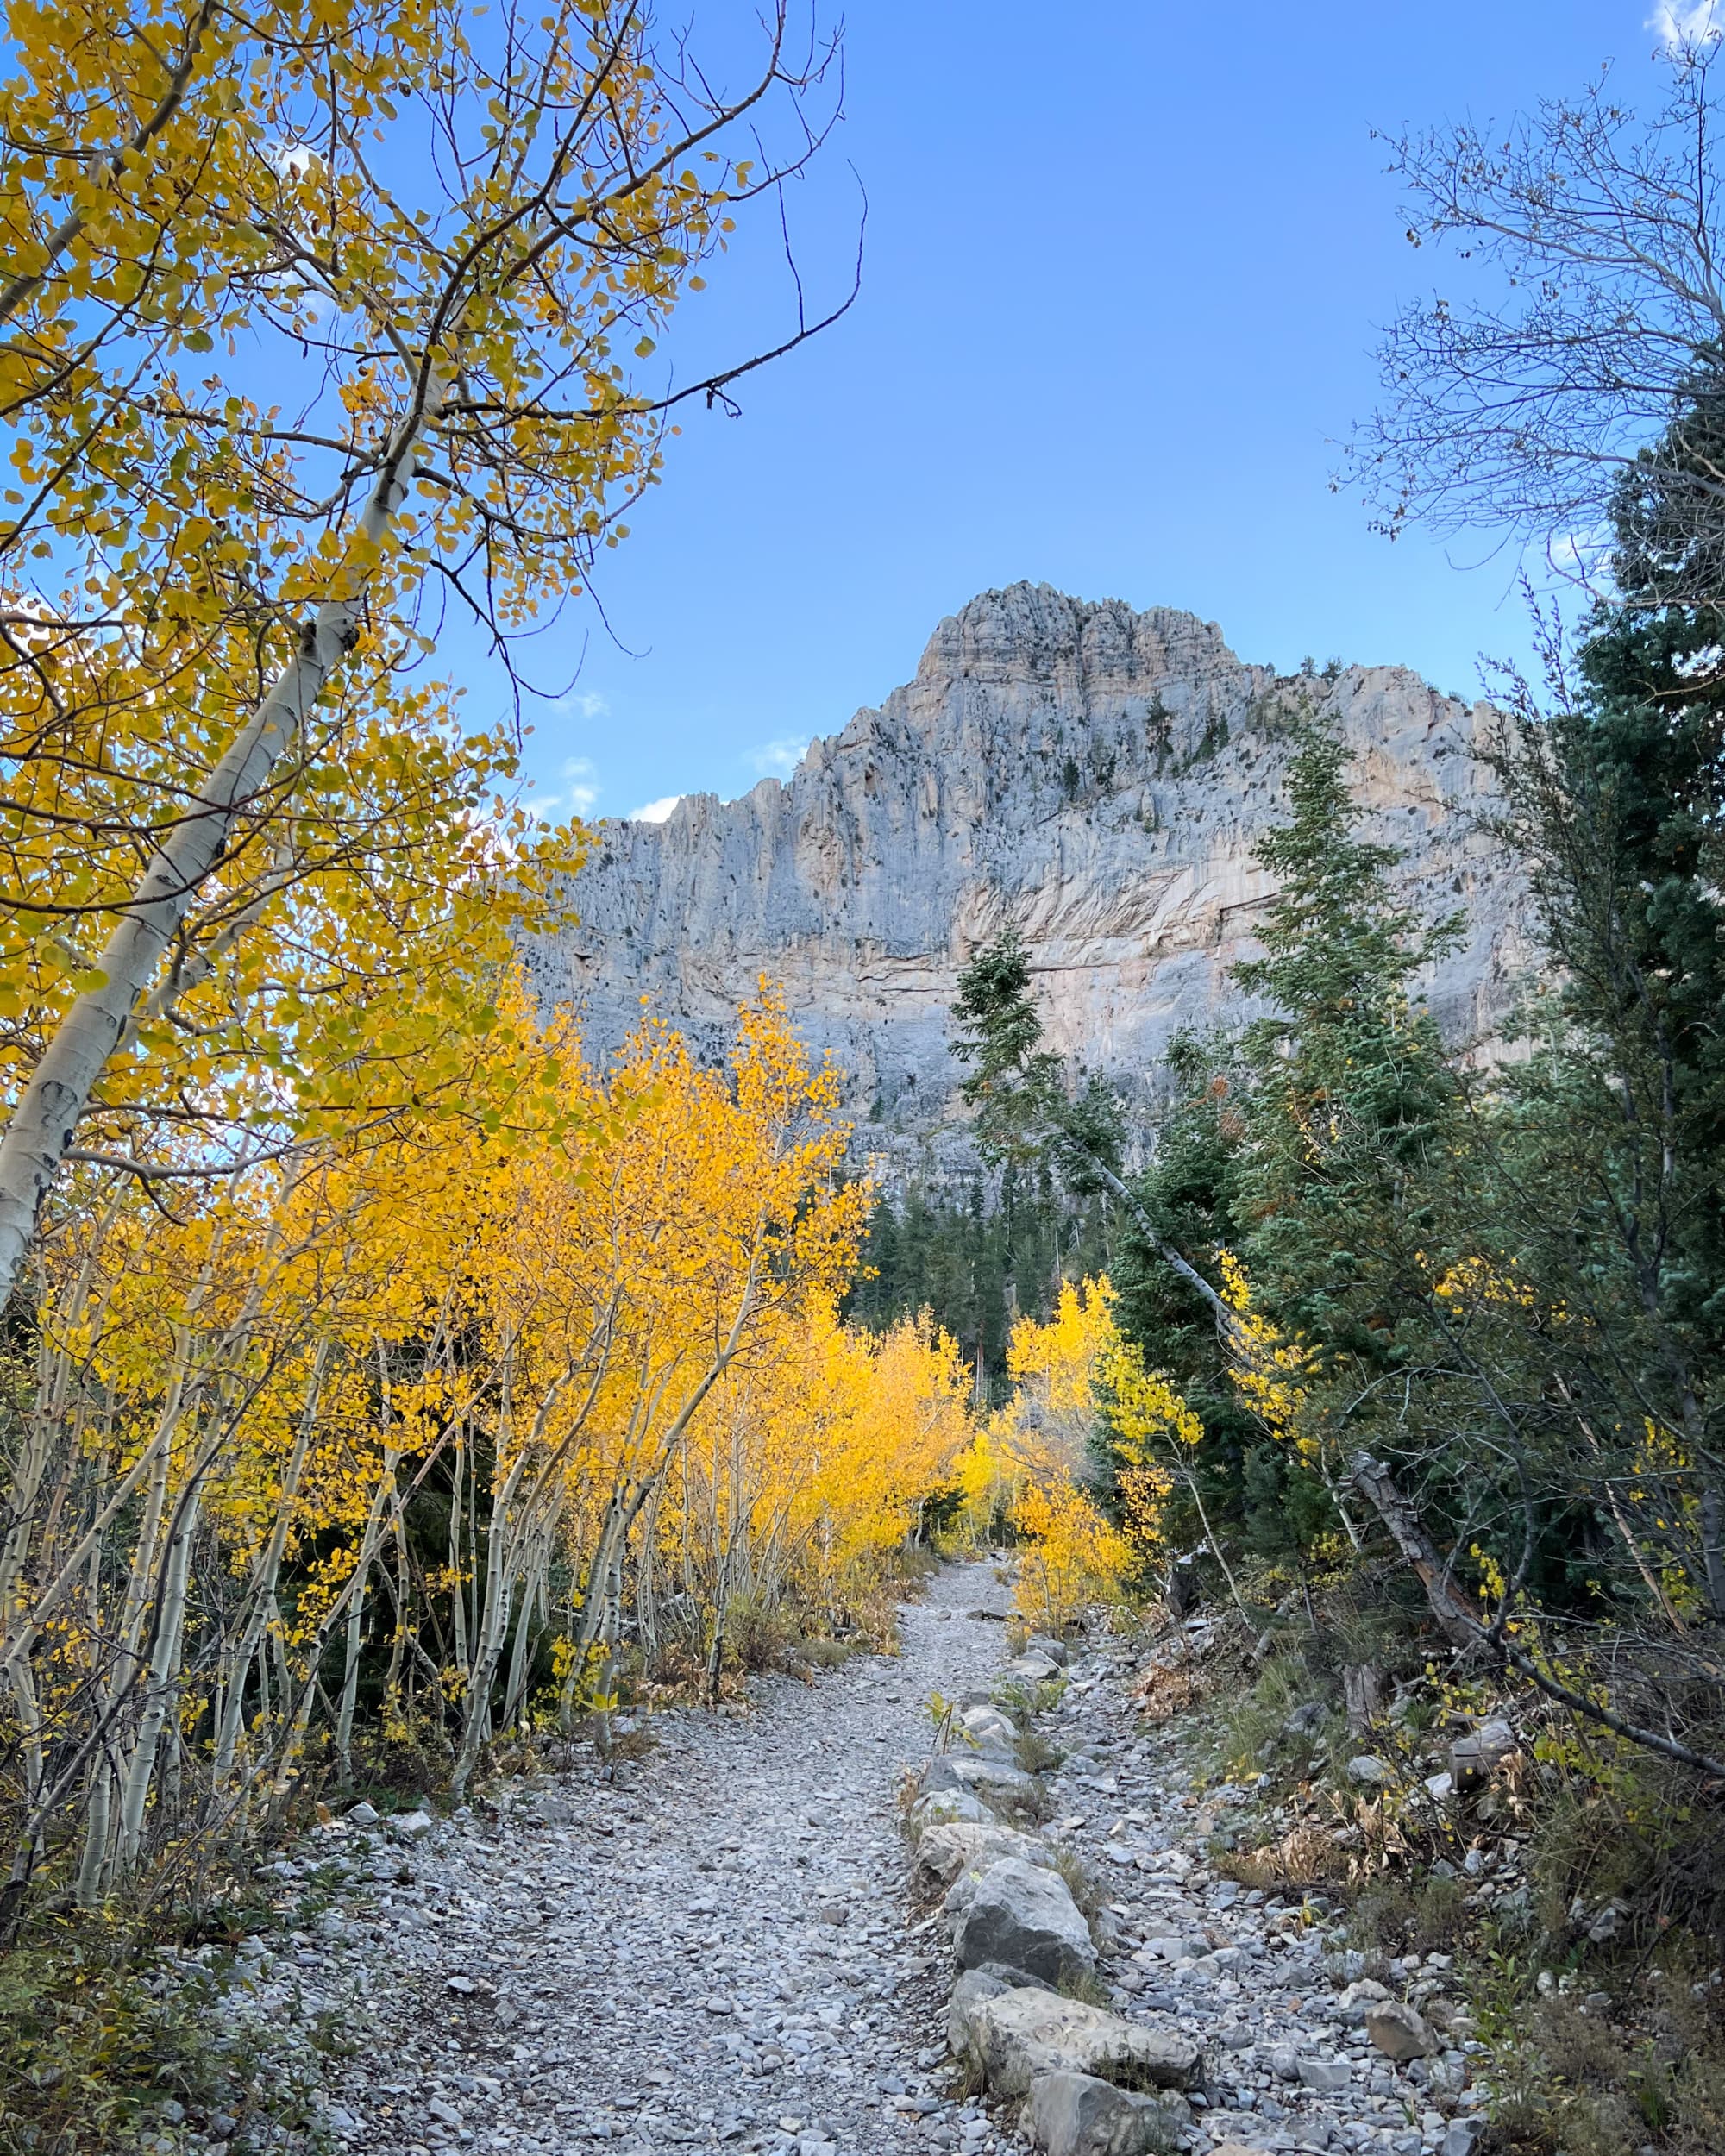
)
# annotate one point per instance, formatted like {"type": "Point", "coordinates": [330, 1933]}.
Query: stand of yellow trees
{"type": "Point", "coordinates": [1085, 1414]}
{"type": "Point", "coordinates": [411, 1440]}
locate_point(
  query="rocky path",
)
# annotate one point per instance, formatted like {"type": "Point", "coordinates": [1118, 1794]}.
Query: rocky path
{"type": "Point", "coordinates": [714, 1953]}
{"type": "Point", "coordinates": [722, 1949]}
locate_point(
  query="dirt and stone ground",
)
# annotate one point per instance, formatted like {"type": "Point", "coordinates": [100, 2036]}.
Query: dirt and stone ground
{"type": "Point", "coordinates": [715, 1951]}
{"type": "Point", "coordinates": [724, 1950]}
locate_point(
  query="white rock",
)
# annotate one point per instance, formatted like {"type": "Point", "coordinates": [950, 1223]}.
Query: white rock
{"type": "Point", "coordinates": [1013, 2036]}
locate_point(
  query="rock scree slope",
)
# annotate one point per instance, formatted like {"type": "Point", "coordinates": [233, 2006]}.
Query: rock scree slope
{"type": "Point", "coordinates": [1098, 775]}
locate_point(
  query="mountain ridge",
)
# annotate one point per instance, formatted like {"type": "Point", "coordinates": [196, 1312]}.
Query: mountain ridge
{"type": "Point", "coordinates": [1098, 774]}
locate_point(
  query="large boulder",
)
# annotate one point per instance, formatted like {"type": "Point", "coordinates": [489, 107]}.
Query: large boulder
{"type": "Point", "coordinates": [1079, 2115]}
{"type": "Point", "coordinates": [998, 1783]}
{"type": "Point", "coordinates": [963, 1846]}
{"type": "Point", "coordinates": [1010, 2037]}
{"type": "Point", "coordinates": [1017, 1912]}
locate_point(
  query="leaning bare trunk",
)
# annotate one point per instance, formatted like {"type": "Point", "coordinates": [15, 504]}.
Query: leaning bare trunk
{"type": "Point", "coordinates": [43, 1123]}
{"type": "Point", "coordinates": [1450, 1606]}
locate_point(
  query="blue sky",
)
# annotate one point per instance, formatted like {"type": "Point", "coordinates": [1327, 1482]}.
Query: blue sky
{"type": "Point", "coordinates": [1124, 267]}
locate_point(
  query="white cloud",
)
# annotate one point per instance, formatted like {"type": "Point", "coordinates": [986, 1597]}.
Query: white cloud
{"type": "Point", "coordinates": [778, 759]}
{"type": "Point", "coordinates": [293, 161]}
{"type": "Point", "coordinates": [584, 704]}
{"type": "Point", "coordinates": [1681, 22]}
{"type": "Point", "coordinates": [583, 784]}
{"type": "Point", "coordinates": [1583, 557]}
{"type": "Point", "coordinates": [653, 811]}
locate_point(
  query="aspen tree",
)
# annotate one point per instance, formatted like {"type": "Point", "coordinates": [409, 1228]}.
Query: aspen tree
{"type": "Point", "coordinates": [448, 240]}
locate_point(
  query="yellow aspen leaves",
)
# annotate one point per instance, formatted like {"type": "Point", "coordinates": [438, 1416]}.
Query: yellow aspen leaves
{"type": "Point", "coordinates": [1079, 1383]}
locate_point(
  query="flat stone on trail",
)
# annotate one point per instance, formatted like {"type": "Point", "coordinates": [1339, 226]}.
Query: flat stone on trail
{"type": "Point", "coordinates": [1011, 2037]}
{"type": "Point", "coordinates": [1078, 2115]}
{"type": "Point", "coordinates": [1019, 1913]}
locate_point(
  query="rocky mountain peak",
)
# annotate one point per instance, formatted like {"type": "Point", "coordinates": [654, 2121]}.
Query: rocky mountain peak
{"type": "Point", "coordinates": [1098, 774]}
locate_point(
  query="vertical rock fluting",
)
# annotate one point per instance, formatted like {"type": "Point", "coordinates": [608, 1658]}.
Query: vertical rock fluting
{"type": "Point", "coordinates": [1098, 775]}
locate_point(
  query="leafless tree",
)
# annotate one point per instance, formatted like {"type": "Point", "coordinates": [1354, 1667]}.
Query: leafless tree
{"type": "Point", "coordinates": [1564, 387]}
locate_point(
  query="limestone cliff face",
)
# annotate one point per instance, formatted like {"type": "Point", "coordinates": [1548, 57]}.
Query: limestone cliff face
{"type": "Point", "coordinates": [1101, 776]}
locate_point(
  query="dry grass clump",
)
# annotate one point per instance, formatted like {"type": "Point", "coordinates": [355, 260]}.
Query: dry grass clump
{"type": "Point", "coordinates": [1035, 1752]}
{"type": "Point", "coordinates": [1304, 1857]}
{"type": "Point", "coordinates": [1162, 1693]}
{"type": "Point", "coordinates": [1577, 2084]}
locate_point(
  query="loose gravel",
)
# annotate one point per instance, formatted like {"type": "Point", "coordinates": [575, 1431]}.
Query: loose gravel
{"type": "Point", "coordinates": [714, 1953]}
{"type": "Point", "coordinates": [722, 1949]}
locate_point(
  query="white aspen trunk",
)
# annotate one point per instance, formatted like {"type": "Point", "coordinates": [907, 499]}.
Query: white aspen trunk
{"type": "Point", "coordinates": [29, 1722]}
{"type": "Point", "coordinates": [458, 1592]}
{"type": "Point", "coordinates": [501, 1546]}
{"type": "Point", "coordinates": [261, 1604]}
{"type": "Point", "coordinates": [647, 1576]}
{"type": "Point", "coordinates": [163, 1687]}
{"type": "Point", "coordinates": [43, 1125]}
{"type": "Point", "coordinates": [96, 1862]}
{"type": "Point", "coordinates": [263, 1681]}
{"type": "Point", "coordinates": [398, 1648]}
{"type": "Point", "coordinates": [593, 1610]}
{"type": "Point", "coordinates": [537, 1561]}
{"type": "Point", "coordinates": [350, 1684]}
{"type": "Point", "coordinates": [92, 1870]}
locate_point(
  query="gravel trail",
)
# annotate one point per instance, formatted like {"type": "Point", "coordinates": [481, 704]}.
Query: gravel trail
{"type": "Point", "coordinates": [713, 1952]}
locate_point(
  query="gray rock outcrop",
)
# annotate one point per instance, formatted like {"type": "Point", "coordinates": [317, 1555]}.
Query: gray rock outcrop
{"type": "Point", "coordinates": [1011, 2036]}
{"type": "Point", "coordinates": [1098, 775]}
